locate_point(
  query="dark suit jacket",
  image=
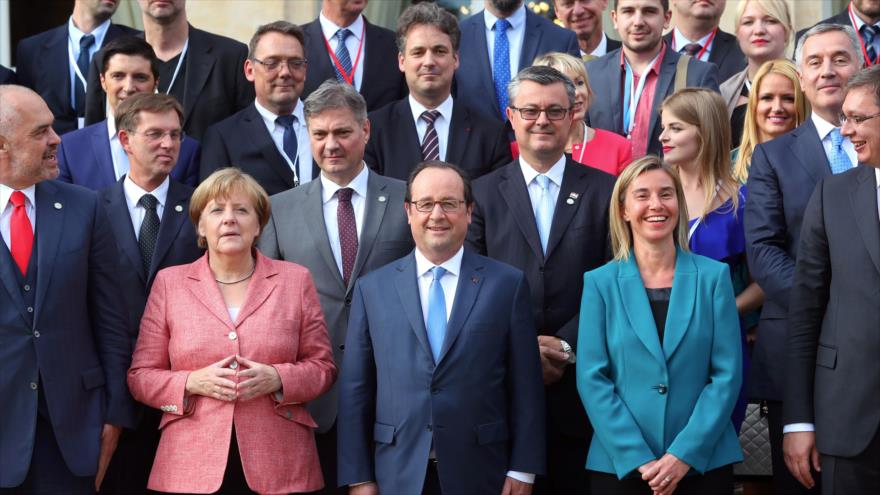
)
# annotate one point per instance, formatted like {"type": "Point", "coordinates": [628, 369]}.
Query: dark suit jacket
{"type": "Point", "coordinates": [833, 342]}
{"type": "Point", "coordinates": [42, 64]}
{"type": "Point", "coordinates": [85, 159]}
{"type": "Point", "coordinates": [296, 233]}
{"type": "Point", "coordinates": [73, 343]}
{"type": "Point", "coordinates": [503, 227]}
{"type": "Point", "coordinates": [782, 176]}
{"type": "Point", "coordinates": [473, 79]}
{"type": "Point", "coordinates": [840, 18]}
{"type": "Point", "coordinates": [607, 112]}
{"type": "Point", "coordinates": [6, 76]}
{"type": "Point", "coordinates": [243, 141]}
{"type": "Point", "coordinates": [725, 54]}
{"type": "Point", "coordinates": [480, 407]}
{"type": "Point", "coordinates": [383, 82]}
{"type": "Point", "coordinates": [475, 143]}
{"type": "Point", "coordinates": [215, 84]}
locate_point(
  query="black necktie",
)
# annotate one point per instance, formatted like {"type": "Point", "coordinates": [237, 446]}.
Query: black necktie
{"type": "Point", "coordinates": [692, 49]}
{"type": "Point", "coordinates": [431, 142]}
{"type": "Point", "coordinates": [149, 230]}
{"type": "Point", "coordinates": [82, 63]}
{"type": "Point", "coordinates": [289, 140]}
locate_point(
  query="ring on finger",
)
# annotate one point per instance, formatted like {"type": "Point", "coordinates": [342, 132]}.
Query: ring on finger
{"type": "Point", "coordinates": [666, 480]}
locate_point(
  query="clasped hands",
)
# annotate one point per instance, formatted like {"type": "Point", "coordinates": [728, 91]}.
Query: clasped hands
{"type": "Point", "coordinates": [664, 474]}
{"type": "Point", "coordinates": [215, 380]}
{"type": "Point", "coordinates": [553, 359]}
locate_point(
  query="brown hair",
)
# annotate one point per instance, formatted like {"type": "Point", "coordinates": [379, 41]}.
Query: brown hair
{"type": "Point", "coordinates": [128, 112]}
{"type": "Point", "coordinates": [222, 184]}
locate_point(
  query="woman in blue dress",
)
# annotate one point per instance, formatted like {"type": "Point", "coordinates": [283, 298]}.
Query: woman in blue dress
{"type": "Point", "coordinates": [696, 141]}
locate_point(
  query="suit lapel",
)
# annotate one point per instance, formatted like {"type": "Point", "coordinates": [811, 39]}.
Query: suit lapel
{"type": "Point", "coordinates": [408, 148]}
{"type": "Point", "coordinates": [635, 303]}
{"type": "Point", "coordinates": [261, 140]}
{"type": "Point", "coordinates": [120, 221]}
{"type": "Point", "coordinates": [173, 218]}
{"type": "Point", "coordinates": [863, 199]}
{"type": "Point", "coordinates": [313, 208]}
{"type": "Point", "coordinates": [261, 287]}
{"type": "Point", "coordinates": [721, 46]}
{"type": "Point", "coordinates": [9, 280]}
{"type": "Point", "coordinates": [199, 62]}
{"type": "Point", "coordinates": [55, 59]}
{"type": "Point", "coordinates": [513, 189]}
{"type": "Point", "coordinates": [531, 40]}
{"type": "Point", "coordinates": [681, 303]}
{"type": "Point", "coordinates": [477, 40]}
{"type": "Point", "coordinates": [459, 133]}
{"type": "Point", "coordinates": [50, 224]}
{"type": "Point", "coordinates": [574, 184]}
{"type": "Point", "coordinates": [103, 155]}
{"type": "Point", "coordinates": [376, 203]}
{"type": "Point", "coordinates": [320, 67]}
{"type": "Point", "coordinates": [200, 282]}
{"type": "Point", "coordinates": [407, 287]}
{"type": "Point", "coordinates": [609, 79]}
{"type": "Point", "coordinates": [667, 73]}
{"type": "Point", "coordinates": [808, 148]}
{"type": "Point", "coordinates": [470, 281]}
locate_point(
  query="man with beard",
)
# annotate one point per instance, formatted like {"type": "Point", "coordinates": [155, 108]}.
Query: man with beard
{"type": "Point", "coordinates": [697, 34]}
{"type": "Point", "coordinates": [864, 17]}
{"type": "Point", "coordinates": [584, 18]}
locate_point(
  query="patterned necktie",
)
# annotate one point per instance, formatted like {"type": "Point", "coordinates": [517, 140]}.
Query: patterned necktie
{"type": "Point", "coordinates": [21, 233]}
{"type": "Point", "coordinates": [501, 65]}
{"type": "Point", "coordinates": [431, 142]}
{"type": "Point", "coordinates": [348, 236]}
{"type": "Point", "coordinates": [869, 33]}
{"type": "Point", "coordinates": [85, 43]}
{"type": "Point", "coordinates": [342, 55]}
{"type": "Point", "coordinates": [289, 142]}
{"type": "Point", "coordinates": [839, 159]}
{"type": "Point", "coordinates": [436, 313]}
{"type": "Point", "coordinates": [544, 211]}
{"type": "Point", "coordinates": [692, 49]}
{"type": "Point", "coordinates": [149, 230]}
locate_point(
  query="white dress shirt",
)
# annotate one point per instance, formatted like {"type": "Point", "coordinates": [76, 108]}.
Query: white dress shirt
{"type": "Point", "coordinates": [352, 43]}
{"type": "Point", "coordinates": [6, 210]}
{"type": "Point", "coordinates": [679, 41]}
{"type": "Point", "coordinates": [301, 164]}
{"type": "Point", "coordinates": [824, 127]}
{"type": "Point", "coordinates": [441, 123]}
{"type": "Point", "coordinates": [73, 36]}
{"type": "Point", "coordinates": [601, 48]}
{"type": "Point", "coordinates": [515, 35]}
{"type": "Point", "coordinates": [331, 202]}
{"type": "Point", "coordinates": [554, 174]}
{"type": "Point", "coordinates": [121, 164]}
{"type": "Point", "coordinates": [133, 193]}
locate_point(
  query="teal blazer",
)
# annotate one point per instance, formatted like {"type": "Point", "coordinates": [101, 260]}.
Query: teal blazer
{"type": "Point", "coordinates": [645, 398]}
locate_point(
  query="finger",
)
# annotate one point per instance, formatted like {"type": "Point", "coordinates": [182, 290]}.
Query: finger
{"type": "Point", "coordinates": [224, 362]}
{"type": "Point", "coordinates": [247, 362]}
{"type": "Point", "coordinates": [224, 383]}
{"type": "Point", "coordinates": [222, 372]}
{"type": "Point", "coordinates": [814, 455]}
{"type": "Point", "coordinates": [554, 354]}
{"type": "Point", "coordinates": [803, 472]}
{"type": "Point", "coordinates": [506, 489]}
{"type": "Point", "coordinates": [651, 472]}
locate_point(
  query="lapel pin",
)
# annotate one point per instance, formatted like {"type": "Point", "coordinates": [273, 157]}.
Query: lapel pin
{"type": "Point", "coordinates": [178, 208]}
{"type": "Point", "coordinates": [58, 206]}
{"type": "Point", "coordinates": [382, 199]}
{"type": "Point", "coordinates": [474, 280]}
{"type": "Point", "coordinates": [571, 197]}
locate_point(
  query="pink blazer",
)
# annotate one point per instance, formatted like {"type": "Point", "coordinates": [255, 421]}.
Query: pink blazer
{"type": "Point", "coordinates": [186, 326]}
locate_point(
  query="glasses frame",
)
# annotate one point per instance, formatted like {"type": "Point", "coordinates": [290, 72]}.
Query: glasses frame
{"type": "Point", "coordinates": [427, 205]}
{"type": "Point", "coordinates": [546, 111]}
{"type": "Point", "coordinates": [293, 64]}
{"type": "Point", "coordinates": [161, 136]}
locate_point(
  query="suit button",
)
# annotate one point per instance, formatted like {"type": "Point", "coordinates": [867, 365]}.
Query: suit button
{"type": "Point", "coordinates": [348, 301]}
{"type": "Point", "coordinates": [661, 389]}
{"type": "Point", "coordinates": [36, 334]}
{"type": "Point", "coordinates": [288, 414]}
{"type": "Point", "coordinates": [435, 391]}
{"type": "Point", "coordinates": [27, 288]}
{"type": "Point", "coordinates": [233, 365]}
{"type": "Point", "coordinates": [233, 335]}
{"type": "Point", "coordinates": [541, 269]}
{"type": "Point", "coordinates": [33, 385]}
{"type": "Point", "coordinates": [341, 347]}
{"type": "Point", "coordinates": [430, 428]}
{"type": "Point", "coordinates": [30, 309]}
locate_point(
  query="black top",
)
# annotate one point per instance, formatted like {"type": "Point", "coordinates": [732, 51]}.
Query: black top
{"type": "Point", "coordinates": [738, 120]}
{"type": "Point", "coordinates": [166, 74]}
{"type": "Point", "coordinates": [659, 300]}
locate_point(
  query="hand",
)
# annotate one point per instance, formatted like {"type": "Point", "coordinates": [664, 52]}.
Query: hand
{"type": "Point", "coordinates": [109, 440]}
{"type": "Point", "coordinates": [799, 450]}
{"type": "Point", "coordinates": [259, 379]}
{"type": "Point", "coordinates": [665, 474]}
{"type": "Point", "coordinates": [516, 487]}
{"type": "Point", "coordinates": [370, 488]}
{"type": "Point", "coordinates": [553, 360]}
{"type": "Point", "coordinates": [211, 381]}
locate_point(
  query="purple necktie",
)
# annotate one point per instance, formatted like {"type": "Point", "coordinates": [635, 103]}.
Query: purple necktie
{"type": "Point", "coordinates": [348, 236]}
{"type": "Point", "coordinates": [430, 143]}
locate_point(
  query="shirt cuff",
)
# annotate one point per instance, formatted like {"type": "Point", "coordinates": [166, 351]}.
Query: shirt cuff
{"type": "Point", "coordinates": [524, 477]}
{"type": "Point", "coordinates": [798, 427]}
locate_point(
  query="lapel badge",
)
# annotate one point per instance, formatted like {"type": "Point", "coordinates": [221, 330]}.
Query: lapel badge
{"type": "Point", "coordinates": [474, 280]}
{"type": "Point", "coordinates": [571, 197]}
{"type": "Point", "coordinates": [58, 206]}
{"type": "Point", "coordinates": [382, 199]}
{"type": "Point", "coordinates": [178, 208]}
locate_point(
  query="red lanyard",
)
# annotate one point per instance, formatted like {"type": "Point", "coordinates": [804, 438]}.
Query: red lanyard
{"type": "Point", "coordinates": [852, 19]}
{"type": "Point", "coordinates": [348, 76]}
{"type": "Point", "coordinates": [702, 50]}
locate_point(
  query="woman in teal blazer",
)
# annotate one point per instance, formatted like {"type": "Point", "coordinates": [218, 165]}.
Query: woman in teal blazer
{"type": "Point", "coordinates": [659, 361]}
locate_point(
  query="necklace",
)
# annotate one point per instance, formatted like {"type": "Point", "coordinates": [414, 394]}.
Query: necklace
{"type": "Point", "coordinates": [249, 275]}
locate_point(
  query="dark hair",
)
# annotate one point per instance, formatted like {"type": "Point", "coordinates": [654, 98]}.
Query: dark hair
{"type": "Point", "coordinates": [331, 95]}
{"type": "Point", "coordinates": [468, 192]}
{"type": "Point", "coordinates": [132, 46]}
{"type": "Point", "coordinates": [664, 3]}
{"type": "Point", "coordinates": [282, 27]}
{"type": "Point", "coordinates": [128, 113]}
{"type": "Point", "coordinates": [427, 14]}
{"type": "Point", "coordinates": [869, 78]}
{"type": "Point", "coordinates": [543, 75]}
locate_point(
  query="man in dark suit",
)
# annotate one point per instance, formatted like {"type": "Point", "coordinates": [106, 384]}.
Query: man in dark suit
{"type": "Point", "coordinates": [640, 24]}
{"type": "Point", "coordinates": [312, 226]}
{"type": "Point", "coordinates": [65, 351]}
{"type": "Point", "coordinates": [7, 76]}
{"type": "Point", "coordinates": [149, 216]}
{"type": "Point", "coordinates": [548, 216]}
{"type": "Point", "coordinates": [697, 34]}
{"type": "Point", "coordinates": [430, 124]}
{"type": "Point", "coordinates": [202, 70]}
{"type": "Point", "coordinates": [864, 17]}
{"type": "Point", "coordinates": [584, 18]}
{"type": "Point", "coordinates": [502, 40]}
{"type": "Point", "coordinates": [833, 374]}
{"type": "Point", "coordinates": [364, 58]}
{"type": "Point", "coordinates": [268, 139]}
{"type": "Point", "coordinates": [441, 383]}
{"type": "Point", "coordinates": [93, 156]}
{"type": "Point", "coordinates": [55, 63]}
{"type": "Point", "coordinates": [782, 175]}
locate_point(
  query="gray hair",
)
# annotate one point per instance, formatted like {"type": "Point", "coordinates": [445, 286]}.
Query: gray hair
{"type": "Point", "coordinates": [331, 95]}
{"type": "Point", "coordinates": [427, 14]}
{"type": "Point", "coordinates": [281, 27]}
{"type": "Point", "coordinates": [543, 75]}
{"type": "Point", "coordinates": [855, 45]}
{"type": "Point", "coordinates": [869, 78]}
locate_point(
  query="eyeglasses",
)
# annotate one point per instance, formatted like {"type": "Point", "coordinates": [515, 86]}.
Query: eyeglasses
{"type": "Point", "coordinates": [154, 135]}
{"type": "Point", "coordinates": [856, 119]}
{"type": "Point", "coordinates": [272, 65]}
{"type": "Point", "coordinates": [447, 205]}
{"type": "Point", "coordinates": [532, 113]}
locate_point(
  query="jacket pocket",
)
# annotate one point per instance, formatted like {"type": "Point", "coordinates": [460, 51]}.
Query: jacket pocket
{"type": "Point", "coordinates": [383, 433]}
{"type": "Point", "coordinates": [296, 413]}
{"type": "Point", "coordinates": [93, 378]}
{"type": "Point", "coordinates": [492, 432]}
{"type": "Point", "coordinates": [826, 357]}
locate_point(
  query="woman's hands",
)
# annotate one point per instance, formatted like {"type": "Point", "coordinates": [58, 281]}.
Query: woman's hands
{"type": "Point", "coordinates": [664, 474]}
{"type": "Point", "coordinates": [217, 380]}
{"type": "Point", "coordinates": [258, 379]}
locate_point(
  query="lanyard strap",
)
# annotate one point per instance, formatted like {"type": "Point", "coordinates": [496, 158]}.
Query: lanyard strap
{"type": "Point", "coordinates": [696, 224]}
{"type": "Point", "coordinates": [631, 98]}
{"type": "Point", "coordinates": [583, 144]}
{"type": "Point", "coordinates": [179, 65]}
{"type": "Point", "coordinates": [852, 19]}
{"type": "Point", "coordinates": [72, 60]}
{"type": "Point", "coordinates": [704, 48]}
{"type": "Point", "coordinates": [349, 77]}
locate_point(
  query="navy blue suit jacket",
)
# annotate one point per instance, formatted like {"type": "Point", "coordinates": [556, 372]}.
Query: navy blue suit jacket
{"type": "Point", "coordinates": [42, 64]}
{"type": "Point", "coordinates": [783, 174]}
{"type": "Point", "coordinates": [6, 76]}
{"type": "Point", "coordinates": [725, 54]}
{"type": "Point", "coordinates": [473, 79]}
{"type": "Point", "coordinates": [480, 407]}
{"type": "Point", "coordinates": [72, 342]}
{"type": "Point", "coordinates": [84, 159]}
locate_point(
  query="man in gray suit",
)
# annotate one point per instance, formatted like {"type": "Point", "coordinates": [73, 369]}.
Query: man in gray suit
{"type": "Point", "coordinates": [342, 226]}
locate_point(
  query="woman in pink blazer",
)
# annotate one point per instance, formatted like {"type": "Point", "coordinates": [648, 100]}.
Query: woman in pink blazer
{"type": "Point", "coordinates": [231, 347]}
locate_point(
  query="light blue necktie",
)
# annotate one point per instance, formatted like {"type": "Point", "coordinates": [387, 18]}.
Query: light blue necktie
{"type": "Point", "coordinates": [436, 313]}
{"type": "Point", "coordinates": [501, 64]}
{"type": "Point", "coordinates": [342, 55]}
{"type": "Point", "coordinates": [544, 211]}
{"type": "Point", "coordinates": [839, 160]}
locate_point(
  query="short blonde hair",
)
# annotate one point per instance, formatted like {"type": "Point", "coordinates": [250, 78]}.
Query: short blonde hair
{"type": "Point", "coordinates": [567, 64]}
{"type": "Point", "coordinates": [777, 9]}
{"type": "Point", "coordinates": [222, 184]}
{"type": "Point", "coordinates": [621, 232]}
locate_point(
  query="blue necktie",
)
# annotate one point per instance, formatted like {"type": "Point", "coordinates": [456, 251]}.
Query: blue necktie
{"type": "Point", "coordinates": [869, 33]}
{"type": "Point", "coordinates": [544, 211]}
{"type": "Point", "coordinates": [289, 140]}
{"type": "Point", "coordinates": [436, 313]}
{"type": "Point", "coordinates": [501, 65]}
{"type": "Point", "coordinates": [343, 56]}
{"type": "Point", "coordinates": [85, 43]}
{"type": "Point", "coordinates": [839, 160]}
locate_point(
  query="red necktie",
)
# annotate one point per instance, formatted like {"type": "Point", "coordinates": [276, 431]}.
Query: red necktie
{"type": "Point", "coordinates": [348, 237]}
{"type": "Point", "coordinates": [21, 232]}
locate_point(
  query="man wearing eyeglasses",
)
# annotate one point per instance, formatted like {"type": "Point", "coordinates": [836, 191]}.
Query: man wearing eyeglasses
{"type": "Point", "coordinates": [548, 216]}
{"type": "Point", "coordinates": [268, 139]}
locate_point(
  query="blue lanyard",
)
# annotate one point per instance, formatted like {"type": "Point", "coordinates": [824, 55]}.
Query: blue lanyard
{"type": "Point", "coordinates": [630, 99]}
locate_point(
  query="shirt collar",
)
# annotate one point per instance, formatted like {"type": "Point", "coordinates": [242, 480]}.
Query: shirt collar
{"type": "Point", "coordinates": [822, 126]}
{"type": "Point", "coordinates": [601, 48]}
{"type": "Point", "coordinates": [99, 32]}
{"type": "Point", "coordinates": [877, 177]}
{"type": "Point", "coordinates": [681, 41]}
{"type": "Point", "coordinates": [133, 192]}
{"type": "Point", "coordinates": [269, 117]}
{"type": "Point", "coordinates": [444, 108]}
{"type": "Point", "coordinates": [111, 128]}
{"type": "Point", "coordinates": [655, 67]}
{"type": "Point", "coordinates": [452, 265]}
{"type": "Point", "coordinates": [859, 21]}
{"type": "Point", "coordinates": [516, 19]}
{"type": "Point", "coordinates": [329, 27]}
{"type": "Point", "coordinates": [6, 192]}
{"type": "Point", "coordinates": [358, 184]}
{"type": "Point", "coordinates": [554, 174]}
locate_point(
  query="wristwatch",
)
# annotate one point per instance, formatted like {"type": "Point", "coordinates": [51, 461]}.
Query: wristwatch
{"type": "Point", "coordinates": [568, 350]}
